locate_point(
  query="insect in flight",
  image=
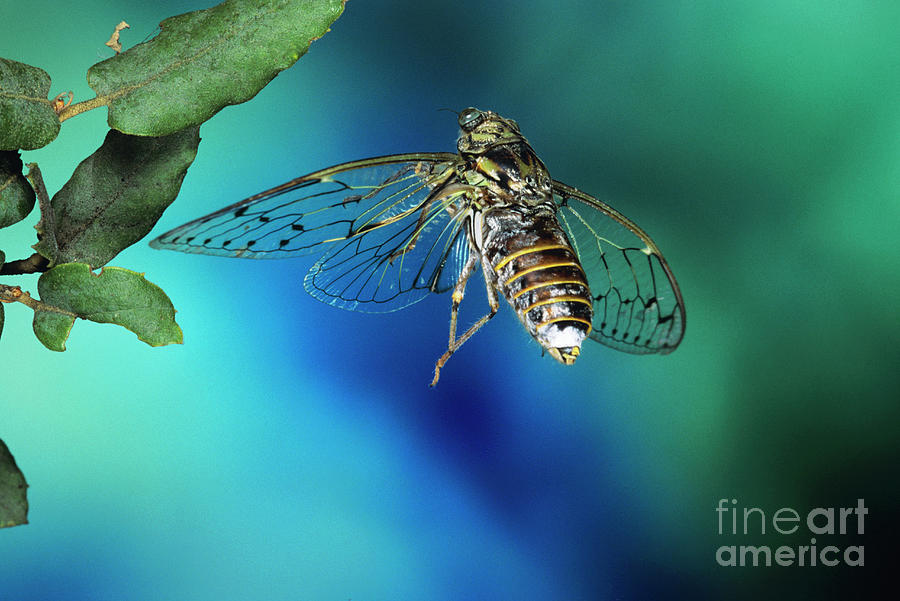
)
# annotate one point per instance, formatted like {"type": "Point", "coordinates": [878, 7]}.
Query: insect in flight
{"type": "Point", "coordinates": [390, 230]}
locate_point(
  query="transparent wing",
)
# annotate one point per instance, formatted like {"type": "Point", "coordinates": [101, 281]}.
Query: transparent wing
{"type": "Point", "coordinates": [299, 216]}
{"type": "Point", "coordinates": [390, 233]}
{"type": "Point", "coordinates": [637, 304]}
{"type": "Point", "coordinates": [391, 267]}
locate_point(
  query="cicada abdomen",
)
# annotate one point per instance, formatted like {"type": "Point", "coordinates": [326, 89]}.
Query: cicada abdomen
{"type": "Point", "coordinates": [537, 270]}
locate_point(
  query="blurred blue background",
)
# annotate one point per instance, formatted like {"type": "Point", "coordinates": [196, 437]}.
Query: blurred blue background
{"type": "Point", "coordinates": [290, 450]}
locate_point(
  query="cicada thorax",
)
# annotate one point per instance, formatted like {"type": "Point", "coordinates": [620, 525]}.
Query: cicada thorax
{"type": "Point", "coordinates": [535, 267]}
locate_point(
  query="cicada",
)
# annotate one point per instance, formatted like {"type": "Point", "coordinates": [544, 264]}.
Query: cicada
{"type": "Point", "coordinates": [393, 229]}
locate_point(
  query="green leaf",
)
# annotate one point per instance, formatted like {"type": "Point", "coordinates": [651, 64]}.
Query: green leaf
{"type": "Point", "coordinates": [13, 497]}
{"type": "Point", "coordinates": [27, 118]}
{"type": "Point", "coordinates": [205, 60]}
{"type": "Point", "coordinates": [52, 329]}
{"type": "Point", "coordinates": [116, 195]}
{"type": "Point", "coordinates": [16, 194]}
{"type": "Point", "coordinates": [116, 295]}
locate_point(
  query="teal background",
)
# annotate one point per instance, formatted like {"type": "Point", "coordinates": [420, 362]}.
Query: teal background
{"type": "Point", "coordinates": [290, 450]}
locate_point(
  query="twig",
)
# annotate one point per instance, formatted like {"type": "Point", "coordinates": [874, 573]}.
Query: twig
{"type": "Point", "coordinates": [36, 263]}
{"type": "Point", "coordinates": [14, 294]}
{"type": "Point", "coordinates": [84, 105]}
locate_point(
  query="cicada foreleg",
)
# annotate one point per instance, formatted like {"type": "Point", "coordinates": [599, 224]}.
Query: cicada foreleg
{"type": "Point", "coordinates": [458, 293]}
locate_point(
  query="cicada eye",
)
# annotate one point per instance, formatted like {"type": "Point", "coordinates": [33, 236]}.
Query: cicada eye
{"type": "Point", "coordinates": [469, 118]}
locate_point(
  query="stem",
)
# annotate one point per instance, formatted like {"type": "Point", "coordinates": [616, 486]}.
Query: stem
{"type": "Point", "coordinates": [36, 263]}
{"type": "Point", "coordinates": [84, 105]}
{"type": "Point", "coordinates": [14, 294]}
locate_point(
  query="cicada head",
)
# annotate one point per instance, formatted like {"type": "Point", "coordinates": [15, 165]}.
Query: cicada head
{"type": "Point", "coordinates": [480, 130]}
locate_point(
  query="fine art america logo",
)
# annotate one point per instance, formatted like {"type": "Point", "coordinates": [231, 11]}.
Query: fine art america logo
{"type": "Point", "coordinates": [820, 521]}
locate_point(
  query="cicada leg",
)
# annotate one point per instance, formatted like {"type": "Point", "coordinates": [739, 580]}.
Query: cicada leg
{"type": "Point", "coordinates": [444, 195]}
{"type": "Point", "coordinates": [412, 243]}
{"type": "Point", "coordinates": [458, 293]}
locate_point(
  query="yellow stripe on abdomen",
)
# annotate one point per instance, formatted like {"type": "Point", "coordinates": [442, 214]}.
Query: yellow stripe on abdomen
{"type": "Point", "coordinates": [541, 267]}
{"type": "Point", "coordinates": [567, 318]}
{"type": "Point", "coordinates": [527, 289]}
{"type": "Point", "coordinates": [527, 251]}
{"type": "Point", "coordinates": [558, 299]}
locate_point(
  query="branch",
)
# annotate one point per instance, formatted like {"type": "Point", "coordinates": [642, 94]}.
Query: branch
{"type": "Point", "coordinates": [14, 294]}
{"type": "Point", "coordinates": [84, 105]}
{"type": "Point", "coordinates": [36, 263]}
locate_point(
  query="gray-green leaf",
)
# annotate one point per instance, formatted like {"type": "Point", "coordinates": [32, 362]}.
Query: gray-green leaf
{"type": "Point", "coordinates": [13, 496]}
{"type": "Point", "coordinates": [16, 194]}
{"type": "Point", "coordinates": [207, 59]}
{"type": "Point", "coordinates": [27, 118]}
{"type": "Point", "coordinates": [116, 195]}
{"type": "Point", "coordinates": [116, 295]}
